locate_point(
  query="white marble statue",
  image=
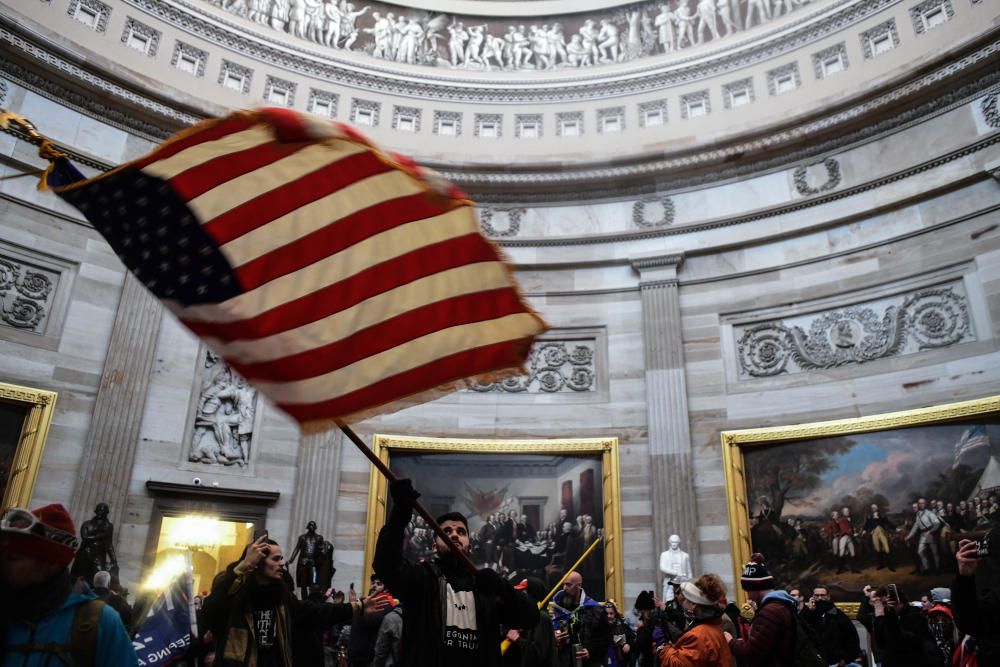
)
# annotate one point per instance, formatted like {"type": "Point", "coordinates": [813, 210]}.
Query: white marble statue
{"type": "Point", "coordinates": [607, 42]}
{"type": "Point", "coordinates": [707, 20]}
{"type": "Point", "coordinates": [665, 24]}
{"type": "Point", "coordinates": [763, 10]}
{"type": "Point", "coordinates": [674, 563]}
{"type": "Point", "coordinates": [685, 24]}
{"type": "Point", "coordinates": [456, 43]}
{"type": "Point", "coordinates": [726, 16]}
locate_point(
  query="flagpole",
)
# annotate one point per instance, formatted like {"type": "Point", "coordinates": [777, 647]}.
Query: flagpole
{"type": "Point", "coordinates": [505, 644]}
{"type": "Point", "coordinates": [420, 509]}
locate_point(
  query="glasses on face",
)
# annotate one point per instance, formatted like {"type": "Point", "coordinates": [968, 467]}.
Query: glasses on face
{"type": "Point", "coordinates": [21, 521]}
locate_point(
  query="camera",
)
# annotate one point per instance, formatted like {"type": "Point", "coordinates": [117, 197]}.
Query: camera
{"type": "Point", "coordinates": [983, 547]}
{"type": "Point", "coordinates": [196, 481]}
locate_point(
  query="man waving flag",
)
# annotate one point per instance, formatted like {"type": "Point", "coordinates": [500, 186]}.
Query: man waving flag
{"type": "Point", "coordinates": [340, 280]}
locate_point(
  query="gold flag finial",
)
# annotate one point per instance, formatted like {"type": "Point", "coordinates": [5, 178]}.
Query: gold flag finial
{"type": "Point", "coordinates": [46, 149]}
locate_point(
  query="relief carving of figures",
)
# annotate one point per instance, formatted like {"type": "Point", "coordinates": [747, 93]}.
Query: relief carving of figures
{"type": "Point", "coordinates": [223, 426]}
{"type": "Point", "coordinates": [930, 318]}
{"type": "Point", "coordinates": [552, 367]}
{"type": "Point", "coordinates": [414, 36]}
{"type": "Point", "coordinates": [24, 296]}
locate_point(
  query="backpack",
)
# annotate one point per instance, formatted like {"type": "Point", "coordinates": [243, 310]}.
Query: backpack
{"type": "Point", "coordinates": [81, 649]}
{"type": "Point", "coordinates": [805, 647]}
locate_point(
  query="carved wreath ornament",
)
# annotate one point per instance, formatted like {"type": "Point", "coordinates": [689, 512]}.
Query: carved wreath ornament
{"type": "Point", "coordinates": [552, 367]}
{"type": "Point", "coordinates": [930, 318]}
{"type": "Point", "coordinates": [513, 222]}
{"type": "Point", "coordinates": [23, 293]}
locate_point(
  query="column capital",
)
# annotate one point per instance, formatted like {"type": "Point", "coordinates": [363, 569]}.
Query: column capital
{"type": "Point", "coordinates": [657, 269]}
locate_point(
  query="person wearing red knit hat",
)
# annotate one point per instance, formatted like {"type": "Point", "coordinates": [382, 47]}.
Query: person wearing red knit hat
{"type": "Point", "coordinates": [50, 624]}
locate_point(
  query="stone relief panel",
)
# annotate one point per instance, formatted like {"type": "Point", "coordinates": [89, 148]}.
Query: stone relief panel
{"type": "Point", "coordinates": [417, 37]}
{"type": "Point", "coordinates": [813, 179]}
{"type": "Point", "coordinates": [27, 293]}
{"type": "Point", "coordinates": [930, 318]}
{"type": "Point", "coordinates": [653, 212]}
{"type": "Point", "coordinates": [553, 366]}
{"type": "Point", "coordinates": [501, 222]}
{"type": "Point", "coordinates": [225, 415]}
{"type": "Point", "coordinates": [991, 112]}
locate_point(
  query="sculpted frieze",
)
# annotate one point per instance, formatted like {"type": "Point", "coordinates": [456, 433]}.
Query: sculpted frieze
{"type": "Point", "coordinates": [416, 37]}
{"type": "Point", "coordinates": [926, 319]}
{"type": "Point", "coordinates": [224, 416]}
{"type": "Point", "coordinates": [552, 367]}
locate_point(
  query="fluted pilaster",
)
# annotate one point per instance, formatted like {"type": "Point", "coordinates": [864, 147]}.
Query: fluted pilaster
{"type": "Point", "coordinates": [317, 482]}
{"type": "Point", "coordinates": [671, 458]}
{"type": "Point", "coordinates": [109, 452]}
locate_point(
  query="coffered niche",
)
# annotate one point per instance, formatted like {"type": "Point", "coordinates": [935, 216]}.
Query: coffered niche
{"type": "Point", "coordinates": [920, 319]}
{"type": "Point", "coordinates": [564, 365]}
{"type": "Point", "coordinates": [34, 295]}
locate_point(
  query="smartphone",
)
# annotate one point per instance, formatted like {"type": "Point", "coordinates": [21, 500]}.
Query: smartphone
{"type": "Point", "coordinates": [893, 593]}
{"type": "Point", "coordinates": [983, 547]}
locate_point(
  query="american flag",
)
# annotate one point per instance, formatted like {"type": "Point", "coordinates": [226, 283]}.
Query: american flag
{"type": "Point", "coordinates": [340, 280]}
{"type": "Point", "coordinates": [972, 439]}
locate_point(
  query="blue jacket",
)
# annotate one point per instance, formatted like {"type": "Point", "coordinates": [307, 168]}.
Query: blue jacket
{"type": "Point", "coordinates": [114, 646]}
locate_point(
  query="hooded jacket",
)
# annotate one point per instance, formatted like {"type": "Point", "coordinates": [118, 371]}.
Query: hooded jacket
{"type": "Point", "coordinates": [228, 611]}
{"type": "Point", "coordinates": [113, 649]}
{"type": "Point", "coordinates": [770, 641]}
{"type": "Point", "coordinates": [703, 644]}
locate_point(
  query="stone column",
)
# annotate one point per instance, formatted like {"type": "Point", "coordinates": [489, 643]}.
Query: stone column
{"type": "Point", "coordinates": [108, 455]}
{"type": "Point", "coordinates": [671, 468]}
{"type": "Point", "coordinates": [317, 483]}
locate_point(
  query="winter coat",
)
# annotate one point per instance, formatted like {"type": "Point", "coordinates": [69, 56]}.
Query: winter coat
{"type": "Point", "coordinates": [114, 646]}
{"type": "Point", "coordinates": [420, 587]}
{"type": "Point", "coordinates": [838, 638]}
{"type": "Point", "coordinates": [535, 647]}
{"type": "Point", "coordinates": [771, 639]}
{"type": "Point", "coordinates": [589, 625]}
{"type": "Point", "coordinates": [390, 634]}
{"type": "Point", "coordinates": [976, 603]}
{"type": "Point", "coordinates": [228, 613]}
{"type": "Point", "coordinates": [702, 645]}
{"type": "Point", "coordinates": [905, 639]}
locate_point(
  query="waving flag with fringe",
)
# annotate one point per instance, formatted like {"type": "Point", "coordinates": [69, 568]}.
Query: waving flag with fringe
{"type": "Point", "coordinates": [340, 280]}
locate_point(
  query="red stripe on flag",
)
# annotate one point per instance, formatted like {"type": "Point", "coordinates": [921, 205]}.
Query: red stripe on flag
{"type": "Point", "coordinates": [436, 373]}
{"type": "Point", "coordinates": [288, 197]}
{"type": "Point", "coordinates": [230, 125]}
{"type": "Point", "coordinates": [212, 173]}
{"type": "Point", "coordinates": [335, 237]}
{"type": "Point", "coordinates": [387, 334]}
{"type": "Point", "coordinates": [469, 249]}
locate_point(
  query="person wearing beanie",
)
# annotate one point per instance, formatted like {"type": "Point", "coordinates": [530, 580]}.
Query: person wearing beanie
{"type": "Point", "coordinates": [703, 643]}
{"type": "Point", "coordinates": [770, 641]}
{"type": "Point", "coordinates": [50, 624]}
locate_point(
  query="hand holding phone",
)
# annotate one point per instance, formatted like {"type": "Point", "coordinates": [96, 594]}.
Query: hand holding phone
{"type": "Point", "coordinates": [893, 593]}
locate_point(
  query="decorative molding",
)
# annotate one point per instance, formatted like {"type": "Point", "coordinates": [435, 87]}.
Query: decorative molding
{"type": "Point", "coordinates": [271, 83]}
{"type": "Point", "coordinates": [514, 216]}
{"type": "Point", "coordinates": [329, 66]}
{"type": "Point", "coordinates": [321, 96]}
{"type": "Point", "coordinates": [672, 259]}
{"type": "Point", "coordinates": [691, 101]}
{"type": "Point", "coordinates": [806, 183]}
{"type": "Point", "coordinates": [200, 57]}
{"type": "Point", "coordinates": [552, 367]}
{"type": "Point", "coordinates": [101, 11]}
{"type": "Point", "coordinates": [611, 112]}
{"type": "Point", "coordinates": [919, 14]}
{"type": "Point", "coordinates": [4, 87]}
{"type": "Point", "coordinates": [565, 117]}
{"type": "Point", "coordinates": [134, 27]}
{"type": "Point", "coordinates": [991, 114]}
{"type": "Point", "coordinates": [774, 75]}
{"type": "Point", "coordinates": [225, 417]}
{"type": "Point", "coordinates": [872, 35]}
{"type": "Point", "coordinates": [929, 318]}
{"type": "Point", "coordinates": [229, 68]}
{"type": "Point", "coordinates": [639, 212]}
{"type": "Point", "coordinates": [655, 105]}
{"type": "Point", "coordinates": [358, 104]}
{"type": "Point", "coordinates": [480, 118]}
{"type": "Point", "coordinates": [821, 58]}
{"type": "Point", "coordinates": [198, 492]}
{"type": "Point", "coordinates": [416, 113]}
{"type": "Point", "coordinates": [729, 90]}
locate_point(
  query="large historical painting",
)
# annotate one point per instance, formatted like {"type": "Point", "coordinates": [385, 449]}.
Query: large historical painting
{"type": "Point", "coordinates": [531, 512]}
{"type": "Point", "coordinates": [865, 505]}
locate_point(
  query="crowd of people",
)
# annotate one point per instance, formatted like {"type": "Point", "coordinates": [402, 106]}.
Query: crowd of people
{"type": "Point", "coordinates": [439, 609]}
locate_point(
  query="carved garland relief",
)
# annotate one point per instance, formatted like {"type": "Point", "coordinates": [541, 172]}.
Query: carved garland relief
{"type": "Point", "coordinates": [553, 366]}
{"type": "Point", "coordinates": [25, 295]}
{"type": "Point", "coordinates": [927, 319]}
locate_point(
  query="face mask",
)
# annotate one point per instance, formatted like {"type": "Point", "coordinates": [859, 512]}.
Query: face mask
{"type": "Point", "coordinates": [824, 605]}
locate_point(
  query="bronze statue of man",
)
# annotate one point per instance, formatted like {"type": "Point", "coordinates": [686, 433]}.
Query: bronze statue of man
{"type": "Point", "coordinates": [308, 549]}
{"type": "Point", "coordinates": [97, 551]}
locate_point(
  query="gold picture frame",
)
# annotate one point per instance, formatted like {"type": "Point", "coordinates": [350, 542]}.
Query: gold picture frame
{"type": "Point", "coordinates": [606, 448]}
{"type": "Point", "coordinates": [34, 408]}
{"type": "Point", "coordinates": [907, 425]}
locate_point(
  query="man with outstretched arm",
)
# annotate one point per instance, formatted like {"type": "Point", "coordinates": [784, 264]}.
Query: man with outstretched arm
{"type": "Point", "coordinates": [453, 616]}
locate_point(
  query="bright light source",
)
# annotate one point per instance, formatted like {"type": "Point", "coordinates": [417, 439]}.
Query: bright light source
{"type": "Point", "coordinates": [164, 573]}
